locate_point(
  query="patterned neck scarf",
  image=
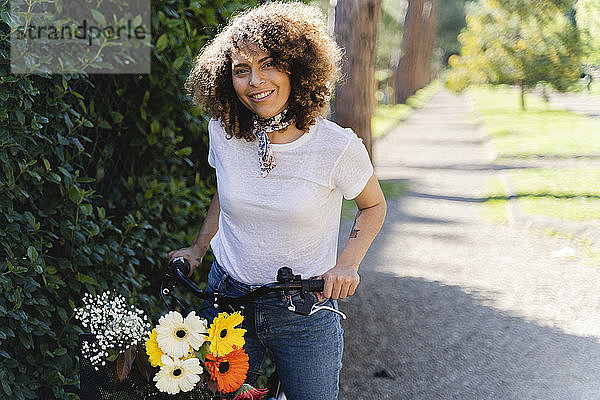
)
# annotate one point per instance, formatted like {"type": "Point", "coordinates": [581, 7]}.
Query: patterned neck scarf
{"type": "Point", "coordinates": [266, 158]}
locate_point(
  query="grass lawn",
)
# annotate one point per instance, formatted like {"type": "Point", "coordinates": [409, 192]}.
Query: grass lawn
{"type": "Point", "coordinates": [566, 193]}
{"type": "Point", "coordinates": [386, 116]}
{"type": "Point", "coordinates": [538, 131]}
{"type": "Point", "coordinates": [496, 206]}
{"type": "Point", "coordinates": [574, 209]}
{"type": "Point", "coordinates": [594, 87]}
{"type": "Point", "coordinates": [422, 96]}
{"type": "Point", "coordinates": [561, 183]}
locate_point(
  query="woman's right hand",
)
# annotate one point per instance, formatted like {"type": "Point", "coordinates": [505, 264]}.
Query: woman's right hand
{"type": "Point", "coordinates": [193, 254]}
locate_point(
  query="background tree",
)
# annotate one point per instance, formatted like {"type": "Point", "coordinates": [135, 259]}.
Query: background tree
{"type": "Point", "coordinates": [518, 42]}
{"type": "Point", "coordinates": [356, 33]}
{"type": "Point", "coordinates": [414, 68]}
{"type": "Point", "coordinates": [389, 34]}
{"type": "Point", "coordinates": [588, 17]}
{"type": "Point", "coordinates": [451, 20]}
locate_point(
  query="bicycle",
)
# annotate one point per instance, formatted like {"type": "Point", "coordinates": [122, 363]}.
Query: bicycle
{"type": "Point", "coordinates": [102, 384]}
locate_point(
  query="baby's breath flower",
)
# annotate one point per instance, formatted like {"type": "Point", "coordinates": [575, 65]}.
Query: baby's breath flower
{"type": "Point", "coordinates": [115, 325]}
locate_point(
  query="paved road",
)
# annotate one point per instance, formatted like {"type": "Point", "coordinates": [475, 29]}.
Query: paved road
{"type": "Point", "coordinates": [453, 307]}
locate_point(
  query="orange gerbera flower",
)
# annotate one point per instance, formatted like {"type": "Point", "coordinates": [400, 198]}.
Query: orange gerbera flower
{"type": "Point", "coordinates": [229, 371]}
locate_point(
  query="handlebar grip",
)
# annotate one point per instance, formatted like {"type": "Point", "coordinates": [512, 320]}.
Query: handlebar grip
{"type": "Point", "coordinates": [316, 285]}
{"type": "Point", "coordinates": [181, 264]}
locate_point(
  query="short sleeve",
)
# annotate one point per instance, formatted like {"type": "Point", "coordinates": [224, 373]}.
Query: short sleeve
{"type": "Point", "coordinates": [211, 144]}
{"type": "Point", "coordinates": [352, 169]}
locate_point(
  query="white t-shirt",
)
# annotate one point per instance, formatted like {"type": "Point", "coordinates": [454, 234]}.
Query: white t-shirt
{"type": "Point", "coordinates": [292, 216]}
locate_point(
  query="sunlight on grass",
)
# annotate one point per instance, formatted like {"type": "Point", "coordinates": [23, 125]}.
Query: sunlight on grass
{"type": "Point", "coordinates": [423, 96]}
{"type": "Point", "coordinates": [581, 85]}
{"type": "Point", "coordinates": [495, 209]}
{"type": "Point", "coordinates": [540, 130]}
{"type": "Point", "coordinates": [386, 116]}
{"type": "Point", "coordinates": [570, 194]}
{"type": "Point", "coordinates": [566, 193]}
{"type": "Point", "coordinates": [573, 209]}
{"type": "Point", "coordinates": [563, 182]}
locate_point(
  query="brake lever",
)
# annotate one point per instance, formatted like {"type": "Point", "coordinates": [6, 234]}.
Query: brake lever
{"type": "Point", "coordinates": [305, 306]}
{"type": "Point", "coordinates": [309, 304]}
{"type": "Point", "coordinates": [314, 307]}
{"type": "Point", "coordinates": [291, 306]}
{"type": "Point", "coordinates": [317, 308]}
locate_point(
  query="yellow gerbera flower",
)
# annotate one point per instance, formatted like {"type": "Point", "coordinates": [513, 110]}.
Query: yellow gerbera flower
{"type": "Point", "coordinates": [153, 351]}
{"type": "Point", "coordinates": [223, 334]}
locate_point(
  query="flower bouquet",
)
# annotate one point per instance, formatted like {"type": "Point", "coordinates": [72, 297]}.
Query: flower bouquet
{"type": "Point", "coordinates": [182, 358]}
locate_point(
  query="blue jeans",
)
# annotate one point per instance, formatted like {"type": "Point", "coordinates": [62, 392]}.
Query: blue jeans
{"type": "Point", "coordinates": [307, 349]}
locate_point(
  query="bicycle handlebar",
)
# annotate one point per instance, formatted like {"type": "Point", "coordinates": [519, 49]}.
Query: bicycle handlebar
{"type": "Point", "coordinates": [179, 268]}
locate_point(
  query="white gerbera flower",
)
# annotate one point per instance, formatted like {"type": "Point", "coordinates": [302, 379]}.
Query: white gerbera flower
{"type": "Point", "coordinates": [175, 335]}
{"type": "Point", "coordinates": [178, 375]}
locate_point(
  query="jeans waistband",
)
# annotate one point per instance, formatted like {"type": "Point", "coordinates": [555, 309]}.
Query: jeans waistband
{"type": "Point", "coordinates": [229, 280]}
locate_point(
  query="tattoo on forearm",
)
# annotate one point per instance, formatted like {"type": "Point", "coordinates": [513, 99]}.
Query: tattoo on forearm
{"type": "Point", "coordinates": [354, 231]}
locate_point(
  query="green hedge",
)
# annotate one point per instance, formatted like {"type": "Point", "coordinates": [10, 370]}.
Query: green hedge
{"type": "Point", "coordinates": [100, 177]}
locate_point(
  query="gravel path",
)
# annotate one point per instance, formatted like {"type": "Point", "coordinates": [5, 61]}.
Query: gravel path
{"type": "Point", "coordinates": [453, 307]}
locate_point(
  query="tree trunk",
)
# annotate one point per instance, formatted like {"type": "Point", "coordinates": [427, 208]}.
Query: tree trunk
{"type": "Point", "coordinates": [522, 85]}
{"type": "Point", "coordinates": [430, 11]}
{"type": "Point", "coordinates": [356, 32]}
{"type": "Point", "coordinates": [414, 69]}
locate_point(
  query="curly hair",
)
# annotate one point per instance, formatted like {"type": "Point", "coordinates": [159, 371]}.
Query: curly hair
{"type": "Point", "coordinates": [296, 36]}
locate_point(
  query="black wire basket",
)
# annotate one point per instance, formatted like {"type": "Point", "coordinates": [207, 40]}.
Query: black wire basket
{"type": "Point", "coordinates": [103, 384]}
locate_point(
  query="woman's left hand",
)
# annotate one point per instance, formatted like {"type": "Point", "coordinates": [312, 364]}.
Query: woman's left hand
{"type": "Point", "coordinates": [340, 282]}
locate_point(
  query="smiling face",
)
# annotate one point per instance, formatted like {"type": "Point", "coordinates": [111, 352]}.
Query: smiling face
{"type": "Point", "coordinates": [259, 85]}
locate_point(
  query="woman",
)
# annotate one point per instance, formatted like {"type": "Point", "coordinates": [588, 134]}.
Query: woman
{"type": "Point", "coordinates": [281, 171]}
